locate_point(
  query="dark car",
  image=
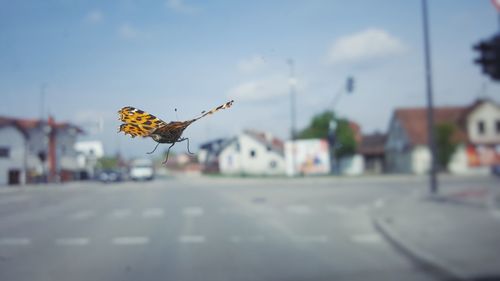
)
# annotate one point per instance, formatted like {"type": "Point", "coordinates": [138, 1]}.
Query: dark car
{"type": "Point", "coordinates": [109, 176]}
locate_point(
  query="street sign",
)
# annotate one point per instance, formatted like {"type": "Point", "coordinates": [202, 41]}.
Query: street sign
{"type": "Point", "coordinates": [496, 3]}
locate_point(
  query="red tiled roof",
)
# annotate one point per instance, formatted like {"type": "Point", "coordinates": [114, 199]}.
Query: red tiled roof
{"type": "Point", "coordinates": [268, 140]}
{"type": "Point", "coordinates": [414, 122]}
{"type": "Point", "coordinates": [356, 129]}
{"type": "Point", "coordinates": [27, 124]}
{"type": "Point", "coordinates": [372, 144]}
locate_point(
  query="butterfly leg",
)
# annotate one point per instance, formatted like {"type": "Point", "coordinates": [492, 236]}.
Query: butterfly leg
{"type": "Point", "coordinates": [183, 139]}
{"type": "Point", "coordinates": [168, 151]}
{"type": "Point", "coordinates": [153, 149]}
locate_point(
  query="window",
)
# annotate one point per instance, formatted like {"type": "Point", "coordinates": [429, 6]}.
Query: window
{"type": "Point", "coordinates": [253, 153]}
{"type": "Point", "coordinates": [480, 127]}
{"type": "Point", "coordinates": [497, 127]}
{"type": "Point", "coordinates": [4, 152]}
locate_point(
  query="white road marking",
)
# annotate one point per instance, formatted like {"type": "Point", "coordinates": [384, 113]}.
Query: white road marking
{"type": "Point", "coordinates": [15, 241]}
{"type": "Point", "coordinates": [192, 239]}
{"type": "Point", "coordinates": [379, 203]}
{"type": "Point", "coordinates": [235, 239]}
{"type": "Point", "coordinates": [311, 239]}
{"type": "Point", "coordinates": [299, 209]}
{"type": "Point", "coordinates": [120, 213]}
{"type": "Point", "coordinates": [263, 209]}
{"type": "Point", "coordinates": [252, 239]}
{"type": "Point", "coordinates": [81, 215]}
{"type": "Point", "coordinates": [152, 213]}
{"type": "Point", "coordinates": [13, 199]}
{"type": "Point", "coordinates": [337, 209]}
{"type": "Point", "coordinates": [256, 238]}
{"type": "Point", "coordinates": [130, 240]}
{"type": "Point", "coordinates": [366, 238]}
{"type": "Point", "coordinates": [77, 241]}
{"type": "Point", "coordinates": [193, 211]}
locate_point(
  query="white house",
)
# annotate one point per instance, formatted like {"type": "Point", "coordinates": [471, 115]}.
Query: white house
{"type": "Point", "coordinates": [477, 133]}
{"type": "Point", "coordinates": [36, 150]}
{"type": "Point", "coordinates": [88, 152]}
{"type": "Point", "coordinates": [253, 153]}
{"type": "Point", "coordinates": [12, 153]}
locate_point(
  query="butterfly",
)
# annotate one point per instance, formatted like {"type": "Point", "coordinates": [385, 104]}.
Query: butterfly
{"type": "Point", "coordinates": [138, 123]}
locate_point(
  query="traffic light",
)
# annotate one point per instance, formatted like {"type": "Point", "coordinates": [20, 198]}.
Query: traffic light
{"type": "Point", "coordinates": [349, 84]}
{"type": "Point", "coordinates": [489, 56]}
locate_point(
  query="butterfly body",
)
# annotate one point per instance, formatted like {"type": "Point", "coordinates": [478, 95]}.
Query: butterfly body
{"type": "Point", "coordinates": [137, 122]}
{"type": "Point", "coordinates": [170, 133]}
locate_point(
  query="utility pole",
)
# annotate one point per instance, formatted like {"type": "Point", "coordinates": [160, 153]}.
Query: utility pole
{"type": "Point", "coordinates": [43, 88]}
{"type": "Point", "coordinates": [430, 107]}
{"type": "Point", "coordinates": [293, 117]}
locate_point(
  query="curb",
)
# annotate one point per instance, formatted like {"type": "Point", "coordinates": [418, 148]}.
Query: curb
{"type": "Point", "coordinates": [423, 260]}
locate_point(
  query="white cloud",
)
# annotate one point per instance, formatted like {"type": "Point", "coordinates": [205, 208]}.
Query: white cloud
{"type": "Point", "coordinates": [367, 45]}
{"type": "Point", "coordinates": [94, 17]}
{"type": "Point", "coordinates": [180, 6]}
{"type": "Point", "coordinates": [251, 64]}
{"type": "Point", "coordinates": [263, 89]}
{"type": "Point", "coordinates": [126, 31]}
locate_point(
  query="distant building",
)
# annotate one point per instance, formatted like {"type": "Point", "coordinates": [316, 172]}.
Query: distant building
{"type": "Point", "coordinates": [477, 132]}
{"type": "Point", "coordinates": [208, 155]}
{"type": "Point", "coordinates": [88, 154]}
{"type": "Point", "coordinates": [13, 156]}
{"type": "Point", "coordinates": [352, 165]}
{"type": "Point", "coordinates": [184, 164]}
{"type": "Point", "coordinates": [36, 150]}
{"type": "Point", "coordinates": [372, 150]}
{"type": "Point", "coordinates": [307, 157]}
{"type": "Point", "coordinates": [253, 153]}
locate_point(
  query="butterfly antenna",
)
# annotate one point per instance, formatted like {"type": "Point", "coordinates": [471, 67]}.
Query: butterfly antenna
{"type": "Point", "coordinates": [168, 151]}
{"type": "Point", "coordinates": [153, 149]}
{"type": "Point", "coordinates": [176, 116]}
{"type": "Point", "coordinates": [213, 110]}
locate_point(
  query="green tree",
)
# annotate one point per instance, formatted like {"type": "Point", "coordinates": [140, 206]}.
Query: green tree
{"type": "Point", "coordinates": [345, 143]}
{"type": "Point", "coordinates": [445, 143]}
{"type": "Point", "coordinates": [107, 162]}
{"type": "Point", "coordinates": [318, 128]}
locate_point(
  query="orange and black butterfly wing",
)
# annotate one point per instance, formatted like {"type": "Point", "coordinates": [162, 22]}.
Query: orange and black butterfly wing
{"type": "Point", "coordinates": [137, 122]}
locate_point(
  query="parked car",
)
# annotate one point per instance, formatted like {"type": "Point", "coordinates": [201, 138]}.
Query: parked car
{"type": "Point", "coordinates": [495, 170]}
{"type": "Point", "coordinates": [109, 175]}
{"type": "Point", "coordinates": [142, 169]}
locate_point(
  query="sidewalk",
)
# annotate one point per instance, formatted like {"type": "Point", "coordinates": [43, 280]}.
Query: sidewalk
{"type": "Point", "coordinates": [456, 235]}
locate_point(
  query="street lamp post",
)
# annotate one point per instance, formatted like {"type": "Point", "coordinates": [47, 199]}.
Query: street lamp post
{"type": "Point", "coordinates": [430, 108]}
{"type": "Point", "coordinates": [293, 116]}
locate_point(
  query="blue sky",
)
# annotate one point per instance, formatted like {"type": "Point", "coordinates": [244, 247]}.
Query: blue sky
{"type": "Point", "coordinates": [95, 57]}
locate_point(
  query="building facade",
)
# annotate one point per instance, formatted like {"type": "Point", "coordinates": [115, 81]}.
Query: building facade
{"type": "Point", "coordinates": [37, 151]}
{"type": "Point", "coordinates": [476, 133]}
{"type": "Point", "coordinates": [253, 153]}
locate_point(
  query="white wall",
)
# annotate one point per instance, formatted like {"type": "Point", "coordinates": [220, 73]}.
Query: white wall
{"type": "Point", "coordinates": [420, 160]}
{"type": "Point", "coordinates": [237, 159]}
{"type": "Point", "coordinates": [489, 114]}
{"type": "Point", "coordinates": [66, 153]}
{"type": "Point", "coordinates": [307, 157]}
{"type": "Point", "coordinates": [13, 139]}
{"type": "Point", "coordinates": [352, 165]}
{"type": "Point", "coordinates": [229, 159]}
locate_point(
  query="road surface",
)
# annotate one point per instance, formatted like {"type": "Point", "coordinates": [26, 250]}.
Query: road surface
{"type": "Point", "coordinates": [202, 229]}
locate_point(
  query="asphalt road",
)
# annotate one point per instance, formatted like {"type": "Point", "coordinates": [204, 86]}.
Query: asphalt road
{"type": "Point", "coordinates": [202, 229]}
